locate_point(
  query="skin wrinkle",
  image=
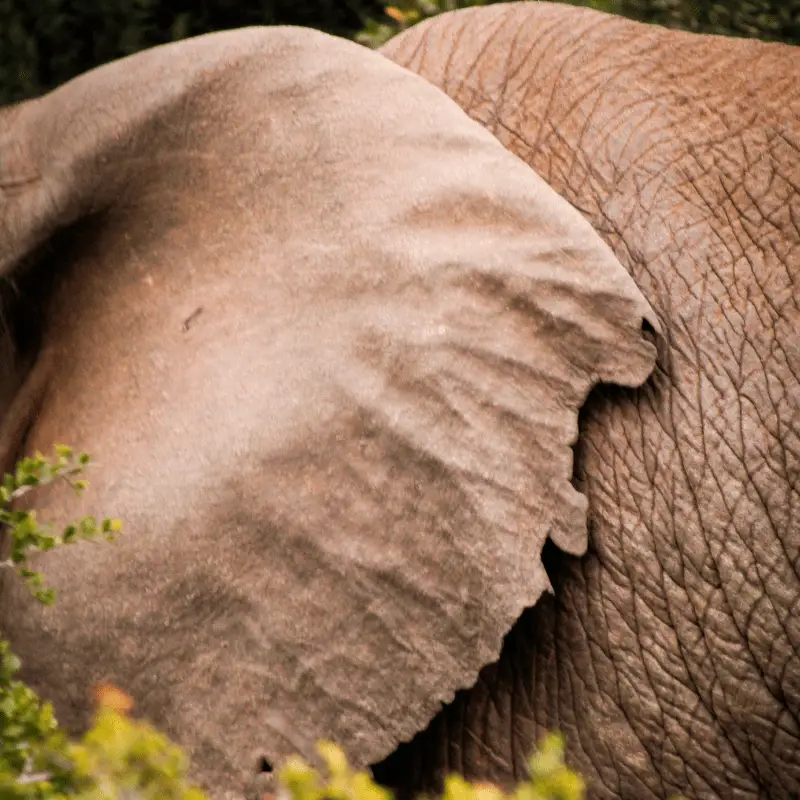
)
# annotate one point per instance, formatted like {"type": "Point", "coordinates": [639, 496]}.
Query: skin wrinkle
{"type": "Point", "coordinates": [634, 627]}
{"type": "Point", "coordinates": [585, 742]}
{"type": "Point", "coordinates": [689, 172]}
{"type": "Point", "coordinates": [702, 526]}
{"type": "Point", "coordinates": [619, 694]}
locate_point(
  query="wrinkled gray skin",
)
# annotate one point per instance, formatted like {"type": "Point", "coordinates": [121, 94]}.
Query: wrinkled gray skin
{"type": "Point", "coordinates": [670, 654]}
{"type": "Point", "coordinates": [328, 340]}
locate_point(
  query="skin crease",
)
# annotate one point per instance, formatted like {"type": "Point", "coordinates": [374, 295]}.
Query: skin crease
{"type": "Point", "coordinates": [670, 655]}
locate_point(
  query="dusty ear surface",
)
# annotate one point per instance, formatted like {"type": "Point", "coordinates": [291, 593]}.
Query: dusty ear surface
{"type": "Point", "coordinates": [410, 320]}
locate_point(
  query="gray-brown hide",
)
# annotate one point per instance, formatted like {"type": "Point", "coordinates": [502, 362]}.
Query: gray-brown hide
{"type": "Point", "coordinates": [327, 340]}
{"type": "Point", "coordinates": [670, 655]}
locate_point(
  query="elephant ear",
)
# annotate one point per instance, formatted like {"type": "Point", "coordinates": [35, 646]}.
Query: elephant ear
{"type": "Point", "coordinates": [338, 478]}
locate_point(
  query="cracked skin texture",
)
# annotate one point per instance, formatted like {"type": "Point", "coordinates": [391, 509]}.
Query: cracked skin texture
{"type": "Point", "coordinates": [670, 655]}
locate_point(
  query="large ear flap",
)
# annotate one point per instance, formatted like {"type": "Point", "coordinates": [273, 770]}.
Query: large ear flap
{"type": "Point", "coordinates": [339, 477]}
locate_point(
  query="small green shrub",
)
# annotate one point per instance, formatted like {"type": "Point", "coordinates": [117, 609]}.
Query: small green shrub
{"type": "Point", "coordinates": [33, 762]}
{"type": "Point", "coordinates": [24, 530]}
{"type": "Point", "coordinates": [550, 779]}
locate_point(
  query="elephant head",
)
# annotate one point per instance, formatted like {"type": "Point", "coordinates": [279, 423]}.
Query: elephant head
{"type": "Point", "coordinates": [328, 341]}
{"type": "Point", "coordinates": [670, 654]}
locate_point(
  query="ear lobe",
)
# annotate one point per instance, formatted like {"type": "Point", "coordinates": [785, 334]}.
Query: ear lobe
{"type": "Point", "coordinates": [346, 470]}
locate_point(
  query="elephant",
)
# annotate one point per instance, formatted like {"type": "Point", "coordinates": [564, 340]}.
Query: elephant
{"type": "Point", "coordinates": [429, 433]}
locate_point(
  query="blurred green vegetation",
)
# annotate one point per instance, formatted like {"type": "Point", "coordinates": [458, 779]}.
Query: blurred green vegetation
{"type": "Point", "coordinates": [772, 20]}
{"type": "Point", "coordinates": [44, 43]}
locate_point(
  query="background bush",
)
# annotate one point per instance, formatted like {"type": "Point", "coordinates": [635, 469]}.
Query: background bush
{"type": "Point", "coordinates": [46, 42]}
{"type": "Point", "coordinates": [772, 20]}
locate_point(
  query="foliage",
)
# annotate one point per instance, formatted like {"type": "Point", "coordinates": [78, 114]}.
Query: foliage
{"type": "Point", "coordinates": [25, 533]}
{"type": "Point", "coordinates": [117, 759]}
{"type": "Point", "coordinates": [33, 762]}
{"type": "Point", "coordinates": [45, 43]}
{"type": "Point", "coordinates": [120, 758]}
{"type": "Point", "coordinates": [405, 14]}
{"type": "Point", "coordinates": [550, 779]}
{"type": "Point", "coordinates": [771, 20]}
{"type": "Point", "coordinates": [766, 19]}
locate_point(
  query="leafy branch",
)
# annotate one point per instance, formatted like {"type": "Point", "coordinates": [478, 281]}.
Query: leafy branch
{"type": "Point", "coordinates": [26, 533]}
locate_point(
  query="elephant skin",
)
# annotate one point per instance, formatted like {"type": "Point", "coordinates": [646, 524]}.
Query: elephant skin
{"type": "Point", "coordinates": [670, 655]}
{"type": "Point", "coordinates": [327, 341]}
